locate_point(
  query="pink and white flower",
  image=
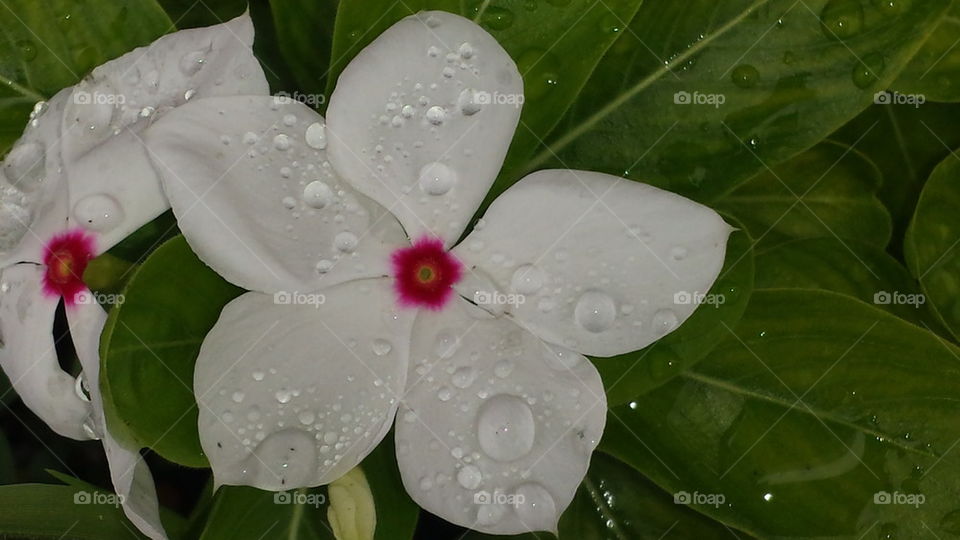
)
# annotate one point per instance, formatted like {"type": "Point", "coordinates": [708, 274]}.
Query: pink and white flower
{"type": "Point", "coordinates": [77, 182]}
{"type": "Point", "coordinates": [494, 401]}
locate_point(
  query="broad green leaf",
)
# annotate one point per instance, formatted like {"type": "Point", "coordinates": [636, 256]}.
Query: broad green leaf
{"type": "Point", "coordinates": [396, 512]}
{"type": "Point", "coordinates": [49, 511]}
{"type": "Point", "coordinates": [630, 375]}
{"type": "Point", "coordinates": [906, 143]}
{"type": "Point", "coordinates": [932, 245]}
{"type": "Point", "coordinates": [556, 45]}
{"type": "Point", "coordinates": [147, 238]}
{"type": "Point", "coordinates": [825, 191]}
{"type": "Point", "coordinates": [855, 269]}
{"type": "Point", "coordinates": [193, 14]}
{"type": "Point", "coordinates": [242, 513]}
{"type": "Point", "coordinates": [149, 347]}
{"type": "Point", "coordinates": [50, 45]}
{"type": "Point", "coordinates": [935, 71]}
{"type": "Point", "coordinates": [788, 72]}
{"type": "Point", "coordinates": [304, 31]}
{"type": "Point", "coordinates": [8, 472]}
{"type": "Point", "coordinates": [616, 502]}
{"type": "Point", "coordinates": [815, 412]}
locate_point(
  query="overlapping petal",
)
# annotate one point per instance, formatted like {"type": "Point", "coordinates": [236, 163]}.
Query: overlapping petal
{"type": "Point", "coordinates": [253, 193]}
{"type": "Point", "coordinates": [295, 391]}
{"type": "Point", "coordinates": [130, 475]}
{"type": "Point", "coordinates": [113, 188]}
{"type": "Point", "coordinates": [496, 427]}
{"type": "Point", "coordinates": [29, 356]}
{"type": "Point", "coordinates": [421, 119]}
{"type": "Point", "coordinates": [593, 262]}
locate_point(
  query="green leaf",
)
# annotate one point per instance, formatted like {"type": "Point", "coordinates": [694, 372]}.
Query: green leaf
{"type": "Point", "coordinates": [615, 501]}
{"type": "Point", "coordinates": [150, 345]}
{"type": "Point", "coordinates": [304, 31]}
{"type": "Point", "coordinates": [816, 405]}
{"type": "Point", "coordinates": [241, 513]}
{"type": "Point", "coordinates": [556, 45]}
{"type": "Point", "coordinates": [932, 245]}
{"type": "Point", "coordinates": [786, 77]}
{"type": "Point", "coordinates": [906, 143]}
{"type": "Point", "coordinates": [53, 44]}
{"type": "Point", "coordinates": [8, 472]}
{"type": "Point", "coordinates": [397, 514]}
{"type": "Point", "coordinates": [855, 269]}
{"type": "Point", "coordinates": [49, 511]}
{"type": "Point", "coordinates": [193, 14]}
{"type": "Point", "coordinates": [825, 191]}
{"type": "Point", "coordinates": [935, 71]}
{"type": "Point", "coordinates": [630, 375]}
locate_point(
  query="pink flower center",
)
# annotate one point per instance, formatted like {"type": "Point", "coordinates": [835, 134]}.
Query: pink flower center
{"type": "Point", "coordinates": [424, 274]}
{"type": "Point", "coordinates": [66, 257]}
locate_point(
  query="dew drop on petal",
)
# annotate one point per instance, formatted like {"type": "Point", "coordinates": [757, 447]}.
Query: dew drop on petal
{"type": "Point", "coordinates": [436, 115]}
{"type": "Point", "coordinates": [436, 178]}
{"type": "Point", "coordinates": [539, 510]}
{"type": "Point", "coordinates": [595, 311]}
{"type": "Point", "coordinates": [446, 344]}
{"type": "Point", "coordinates": [464, 377]}
{"type": "Point", "coordinates": [100, 212]}
{"type": "Point", "coordinates": [317, 194]}
{"type": "Point", "coordinates": [505, 427]}
{"type": "Point", "coordinates": [281, 142]}
{"type": "Point", "coordinates": [527, 279]}
{"type": "Point", "coordinates": [381, 347]}
{"type": "Point", "coordinates": [469, 477]}
{"type": "Point", "coordinates": [316, 136]}
{"type": "Point", "coordinates": [345, 242]}
{"type": "Point", "coordinates": [664, 321]}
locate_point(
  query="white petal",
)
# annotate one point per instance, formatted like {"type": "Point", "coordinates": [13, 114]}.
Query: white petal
{"type": "Point", "coordinates": [494, 416]}
{"type": "Point", "coordinates": [113, 188]}
{"type": "Point", "coordinates": [260, 204]}
{"type": "Point", "coordinates": [29, 356]}
{"type": "Point", "coordinates": [596, 263]}
{"type": "Point", "coordinates": [296, 391]}
{"type": "Point", "coordinates": [33, 198]}
{"type": "Point", "coordinates": [421, 120]}
{"type": "Point", "coordinates": [130, 475]}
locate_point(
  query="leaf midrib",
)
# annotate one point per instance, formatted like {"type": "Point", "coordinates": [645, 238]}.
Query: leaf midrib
{"type": "Point", "coordinates": [643, 84]}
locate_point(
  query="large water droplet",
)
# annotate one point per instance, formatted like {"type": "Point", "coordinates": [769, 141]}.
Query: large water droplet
{"type": "Point", "coordinates": [505, 427]}
{"type": "Point", "coordinates": [527, 279]}
{"type": "Point", "coordinates": [497, 18]}
{"type": "Point", "coordinates": [281, 142]}
{"type": "Point", "coordinates": [539, 510]}
{"type": "Point", "coordinates": [560, 358]}
{"type": "Point", "coordinates": [437, 178]}
{"type": "Point", "coordinates": [470, 101]}
{"type": "Point", "coordinates": [191, 62]}
{"type": "Point", "coordinates": [595, 311]}
{"type": "Point", "coordinates": [381, 347]}
{"type": "Point", "coordinates": [282, 458]}
{"type": "Point", "coordinates": [436, 115]}
{"type": "Point", "coordinates": [469, 477]}
{"type": "Point", "coordinates": [867, 71]}
{"type": "Point", "coordinates": [841, 19]}
{"type": "Point", "coordinates": [100, 212]}
{"type": "Point", "coordinates": [345, 242]}
{"type": "Point", "coordinates": [745, 76]}
{"type": "Point", "coordinates": [317, 194]}
{"type": "Point", "coordinates": [316, 136]}
{"type": "Point", "coordinates": [664, 321]}
{"type": "Point", "coordinates": [464, 377]}
{"type": "Point", "coordinates": [446, 344]}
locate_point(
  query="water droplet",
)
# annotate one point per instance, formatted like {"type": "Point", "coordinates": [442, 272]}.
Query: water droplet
{"type": "Point", "coordinates": [191, 62]}
{"type": "Point", "coordinates": [381, 347]}
{"type": "Point", "coordinates": [505, 427]}
{"type": "Point", "coordinates": [560, 358]}
{"type": "Point", "coordinates": [282, 458]}
{"type": "Point", "coordinates": [437, 178]}
{"type": "Point", "coordinates": [324, 266]}
{"type": "Point", "coordinates": [464, 377]}
{"type": "Point", "coordinates": [664, 321]}
{"type": "Point", "coordinates": [503, 369]}
{"type": "Point", "coordinates": [250, 138]}
{"type": "Point", "coordinates": [317, 194]}
{"type": "Point", "coordinates": [289, 120]}
{"type": "Point", "coordinates": [540, 69]}
{"type": "Point", "coordinates": [469, 477]}
{"type": "Point", "coordinates": [446, 344]}
{"type": "Point", "coordinates": [444, 394]}
{"type": "Point", "coordinates": [470, 101]}
{"type": "Point", "coordinates": [841, 19]}
{"type": "Point", "coordinates": [100, 212]}
{"type": "Point", "coordinates": [595, 311]}
{"type": "Point", "coordinates": [27, 49]}
{"type": "Point", "coordinates": [283, 396]}
{"type": "Point", "coordinates": [238, 397]}
{"type": "Point", "coordinates": [316, 136]}
{"type": "Point", "coordinates": [436, 115]}
{"type": "Point", "coordinates": [678, 253]}
{"type": "Point", "coordinates": [527, 279]}
{"type": "Point", "coordinates": [745, 76]}
{"type": "Point", "coordinates": [466, 50]}
{"type": "Point", "coordinates": [281, 142]}
{"type": "Point", "coordinates": [497, 18]}
{"type": "Point", "coordinates": [257, 375]}
{"type": "Point", "coordinates": [426, 483]}
{"type": "Point", "coordinates": [539, 510]}
{"type": "Point", "coordinates": [867, 71]}
{"type": "Point", "coordinates": [345, 242]}
{"type": "Point", "coordinates": [306, 417]}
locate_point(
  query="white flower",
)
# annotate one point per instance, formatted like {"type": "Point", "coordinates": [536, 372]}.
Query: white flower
{"type": "Point", "coordinates": [498, 411]}
{"type": "Point", "coordinates": [76, 183]}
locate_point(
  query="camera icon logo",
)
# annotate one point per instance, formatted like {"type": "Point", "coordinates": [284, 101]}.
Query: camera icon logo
{"type": "Point", "coordinates": [482, 497]}
{"type": "Point", "coordinates": [82, 497]}
{"type": "Point", "coordinates": [882, 98]}
{"type": "Point", "coordinates": [483, 298]}
{"type": "Point", "coordinates": [282, 497]}
{"type": "Point", "coordinates": [882, 497]}
{"type": "Point", "coordinates": [682, 298]}
{"type": "Point", "coordinates": [82, 97]}
{"type": "Point", "coordinates": [282, 298]}
{"type": "Point", "coordinates": [682, 98]}
{"type": "Point", "coordinates": [882, 298]}
{"type": "Point", "coordinates": [682, 497]}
